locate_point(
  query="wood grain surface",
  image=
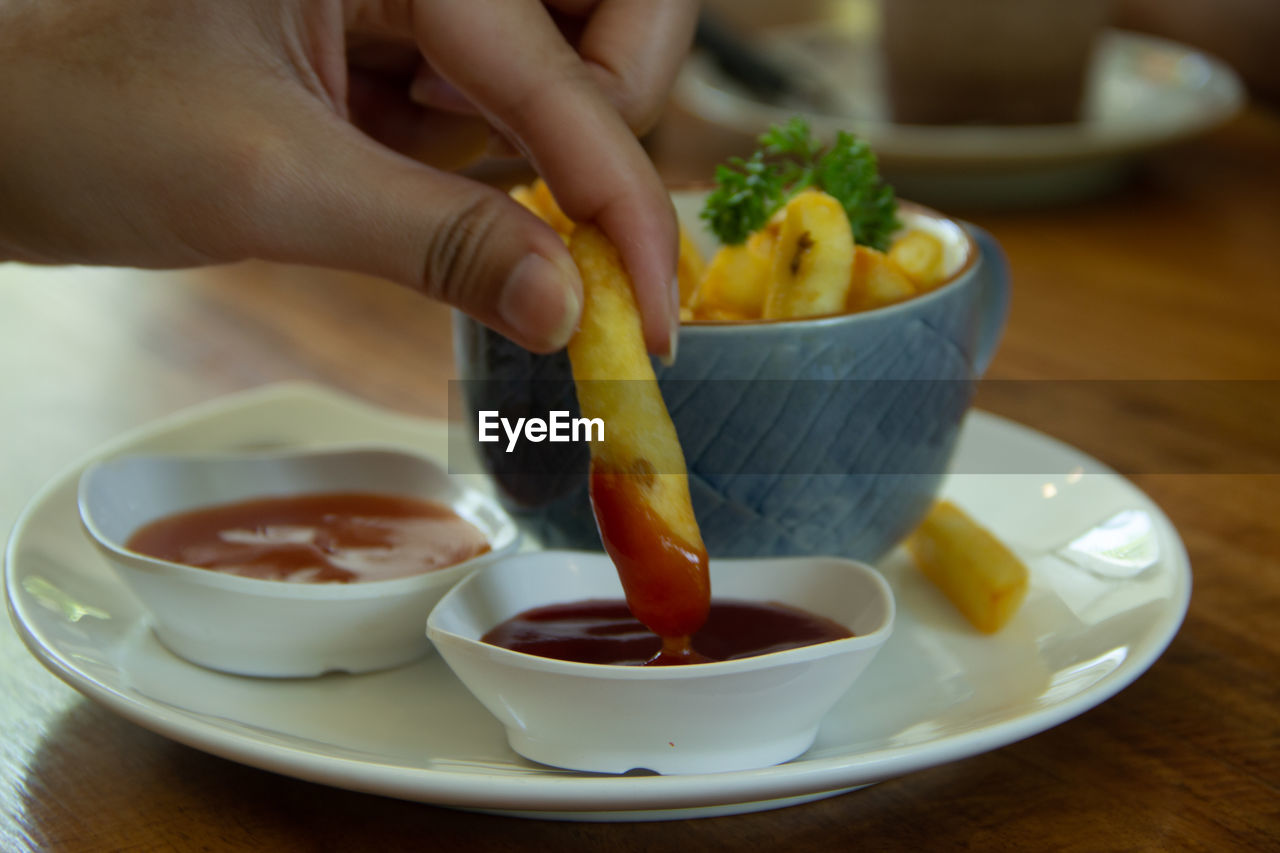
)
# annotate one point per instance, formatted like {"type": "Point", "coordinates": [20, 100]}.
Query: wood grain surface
{"type": "Point", "coordinates": [1173, 278]}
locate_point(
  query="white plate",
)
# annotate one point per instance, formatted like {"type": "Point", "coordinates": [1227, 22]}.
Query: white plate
{"type": "Point", "coordinates": [937, 692]}
{"type": "Point", "coordinates": [1143, 92]}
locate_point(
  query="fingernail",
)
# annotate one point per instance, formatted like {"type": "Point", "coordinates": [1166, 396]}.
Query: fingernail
{"type": "Point", "coordinates": [674, 328]}
{"type": "Point", "coordinates": [498, 146]}
{"type": "Point", "coordinates": [429, 90]}
{"type": "Point", "coordinates": [540, 303]}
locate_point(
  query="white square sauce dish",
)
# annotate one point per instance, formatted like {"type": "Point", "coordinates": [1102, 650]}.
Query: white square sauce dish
{"type": "Point", "coordinates": [727, 715]}
{"type": "Point", "coordinates": [272, 627]}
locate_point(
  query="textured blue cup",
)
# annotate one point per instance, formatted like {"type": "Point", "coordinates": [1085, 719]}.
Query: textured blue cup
{"type": "Point", "coordinates": [821, 436]}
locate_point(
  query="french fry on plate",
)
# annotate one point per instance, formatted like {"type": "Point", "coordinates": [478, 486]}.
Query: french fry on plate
{"type": "Point", "coordinates": [977, 572]}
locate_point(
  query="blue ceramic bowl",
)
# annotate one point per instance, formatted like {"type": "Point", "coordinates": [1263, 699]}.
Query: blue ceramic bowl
{"type": "Point", "coordinates": [821, 436]}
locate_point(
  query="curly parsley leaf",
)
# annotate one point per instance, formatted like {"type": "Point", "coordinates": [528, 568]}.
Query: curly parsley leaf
{"type": "Point", "coordinates": [747, 193]}
{"type": "Point", "coordinates": [791, 139]}
{"type": "Point", "coordinates": [848, 172]}
{"type": "Point", "coordinates": [750, 191]}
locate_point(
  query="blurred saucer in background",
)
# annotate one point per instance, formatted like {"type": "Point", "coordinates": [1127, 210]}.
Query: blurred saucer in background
{"type": "Point", "coordinates": [1142, 92]}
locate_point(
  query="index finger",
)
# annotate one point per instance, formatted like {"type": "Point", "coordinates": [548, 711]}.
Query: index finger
{"type": "Point", "coordinates": [509, 59]}
{"type": "Point", "coordinates": [634, 48]}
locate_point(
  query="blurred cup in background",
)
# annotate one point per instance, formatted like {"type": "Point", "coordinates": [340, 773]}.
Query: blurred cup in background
{"type": "Point", "coordinates": [989, 61]}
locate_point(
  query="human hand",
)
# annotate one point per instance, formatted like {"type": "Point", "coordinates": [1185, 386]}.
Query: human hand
{"type": "Point", "coordinates": [159, 133]}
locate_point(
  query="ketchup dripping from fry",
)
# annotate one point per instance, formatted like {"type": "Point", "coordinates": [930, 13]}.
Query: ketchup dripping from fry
{"type": "Point", "coordinates": [664, 577]}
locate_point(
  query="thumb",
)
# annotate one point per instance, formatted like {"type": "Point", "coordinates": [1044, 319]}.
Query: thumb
{"type": "Point", "coordinates": [350, 203]}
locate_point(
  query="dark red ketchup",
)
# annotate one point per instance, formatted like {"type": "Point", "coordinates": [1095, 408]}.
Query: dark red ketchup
{"type": "Point", "coordinates": [603, 631]}
{"type": "Point", "coordinates": [663, 577]}
{"type": "Point", "coordinates": [317, 538]}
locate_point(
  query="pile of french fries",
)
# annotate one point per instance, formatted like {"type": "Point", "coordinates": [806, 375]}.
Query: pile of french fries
{"type": "Point", "coordinates": [802, 263]}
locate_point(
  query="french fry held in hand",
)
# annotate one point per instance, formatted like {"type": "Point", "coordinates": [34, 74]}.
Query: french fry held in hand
{"type": "Point", "coordinates": [977, 572]}
{"type": "Point", "coordinates": [538, 199]}
{"type": "Point", "coordinates": [639, 486]}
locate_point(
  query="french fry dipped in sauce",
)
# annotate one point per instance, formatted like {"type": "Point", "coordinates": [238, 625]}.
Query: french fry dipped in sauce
{"type": "Point", "coordinates": [639, 486]}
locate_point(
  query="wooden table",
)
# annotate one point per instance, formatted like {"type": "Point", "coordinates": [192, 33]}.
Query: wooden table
{"type": "Point", "coordinates": [1173, 278]}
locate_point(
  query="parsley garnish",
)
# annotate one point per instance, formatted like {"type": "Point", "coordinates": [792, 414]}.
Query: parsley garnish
{"type": "Point", "coordinates": [750, 191]}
